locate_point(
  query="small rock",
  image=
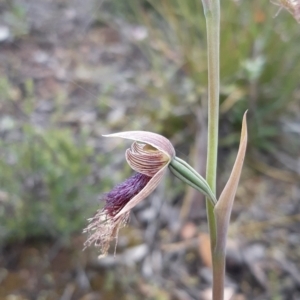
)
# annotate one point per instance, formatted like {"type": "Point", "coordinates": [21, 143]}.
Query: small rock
{"type": "Point", "coordinates": [7, 123]}
{"type": "Point", "coordinates": [188, 231]}
{"type": "Point", "coordinates": [135, 254]}
{"type": "Point", "coordinates": [234, 257]}
{"type": "Point", "coordinates": [40, 57]}
{"type": "Point", "coordinates": [207, 293]}
{"type": "Point", "coordinates": [138, 33]}
{"type": "Point", "coordinates": [4, 33]}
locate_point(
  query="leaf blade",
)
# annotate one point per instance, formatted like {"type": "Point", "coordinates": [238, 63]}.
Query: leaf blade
{"type": "Point", "coordinates": [224, 205]}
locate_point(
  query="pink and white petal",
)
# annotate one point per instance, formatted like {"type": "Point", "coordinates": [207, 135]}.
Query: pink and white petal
{"type": "Point", "coordinates": [145, 192]}
{"type": "Point", "coordinates": [155, 140]}
{"type": "Point", "coordinates": [144, 161]}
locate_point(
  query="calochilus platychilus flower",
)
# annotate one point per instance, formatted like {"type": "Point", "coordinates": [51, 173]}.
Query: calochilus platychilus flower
{"type": "Point", "coordinates": [292, 6]}
{"type": "Point", "coordinates": [149, 156]}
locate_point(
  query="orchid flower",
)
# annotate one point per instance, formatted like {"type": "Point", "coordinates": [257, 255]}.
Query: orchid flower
{"type": "Point", "coordinates": [292, 6]}
{"type": "Point", "coordinates": [149, 155]}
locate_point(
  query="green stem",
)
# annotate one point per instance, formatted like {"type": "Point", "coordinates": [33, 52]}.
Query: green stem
{"type": "Point", "coordinates": [212, 15]}
{"type": "Point", "coordinates": [218, 275]}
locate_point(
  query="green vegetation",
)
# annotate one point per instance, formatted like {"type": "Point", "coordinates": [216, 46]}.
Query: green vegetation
{"type": "Point", "coordinates": [45, 184]}
{"type": "Point", "coordinates": [46, 173]}
{"type": "Point", "coordinates": [259, 64]}
{"type": "Point", "coordinates": [15, 17]}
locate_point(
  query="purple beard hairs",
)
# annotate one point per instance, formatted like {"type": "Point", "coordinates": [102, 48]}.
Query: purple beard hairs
{"type": "Point", "coordinates": [121, 194]}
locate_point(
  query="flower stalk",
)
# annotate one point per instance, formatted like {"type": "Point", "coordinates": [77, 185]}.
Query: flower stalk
{"type": "Point", "coordinates": [212, 16]}
{"type": "Point", "coordinates": [219, 215]}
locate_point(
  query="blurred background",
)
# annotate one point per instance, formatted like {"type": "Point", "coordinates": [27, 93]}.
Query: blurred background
{"type": "Point", "coordinates": [72, 70]}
